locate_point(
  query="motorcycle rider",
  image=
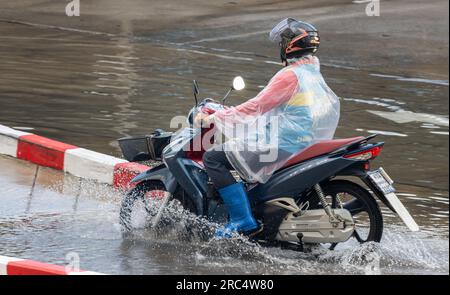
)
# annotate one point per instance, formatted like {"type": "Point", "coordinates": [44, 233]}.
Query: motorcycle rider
{"type": "Point", "coordinates": [297, 103]}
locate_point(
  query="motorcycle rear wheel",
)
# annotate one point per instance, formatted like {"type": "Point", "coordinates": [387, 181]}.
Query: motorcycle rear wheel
{"type": "Point", "coordinates": [360, 202]}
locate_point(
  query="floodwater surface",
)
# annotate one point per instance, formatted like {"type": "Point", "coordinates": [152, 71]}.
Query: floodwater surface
{"type": "Point", "coordinates": [61, 217]}
{"type": "Point", "coordinates": [90, 83]}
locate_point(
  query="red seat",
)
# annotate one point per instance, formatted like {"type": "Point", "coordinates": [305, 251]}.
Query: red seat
{"type": "Point", "coordinates": [319, 149]}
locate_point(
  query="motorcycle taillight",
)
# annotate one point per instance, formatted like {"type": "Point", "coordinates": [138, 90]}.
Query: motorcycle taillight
{"type": "Point", "coordinates": [365, 154]}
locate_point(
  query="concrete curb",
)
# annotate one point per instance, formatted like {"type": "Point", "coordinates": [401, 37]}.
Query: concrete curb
{"type": "Point", "coordinates": [77, 161]}
{"type": "Point", "coordinates": [17, 266]}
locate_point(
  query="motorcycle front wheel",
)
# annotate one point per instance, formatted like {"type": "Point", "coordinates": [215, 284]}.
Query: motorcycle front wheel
{"type": "Point", "coordinates": [145, 202]}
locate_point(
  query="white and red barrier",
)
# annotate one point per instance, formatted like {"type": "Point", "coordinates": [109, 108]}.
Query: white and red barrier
{"type": "Point", "coordinates": [17, 266]}
{"type": "Point", "coordinates": [77, 161]}
{"type": "Point", "coordinates": [68, 158]}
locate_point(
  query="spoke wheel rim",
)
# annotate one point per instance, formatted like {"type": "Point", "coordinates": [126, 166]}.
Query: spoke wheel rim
{"type": "Point", "coordinates": [355, 206]}
{"type": "Point", "coordinates": [149, 203]}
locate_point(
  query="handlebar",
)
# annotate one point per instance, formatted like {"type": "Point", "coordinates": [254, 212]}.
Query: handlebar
{"type": "Point", "coordinates": [207, 106]}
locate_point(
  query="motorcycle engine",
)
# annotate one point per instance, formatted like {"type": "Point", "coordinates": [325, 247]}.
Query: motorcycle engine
{"type": "Point", "coordinates": [314, 226]}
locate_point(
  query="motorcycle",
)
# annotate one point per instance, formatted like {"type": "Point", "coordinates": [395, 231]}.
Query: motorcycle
{"type": "Point", "coordinates": [313, 199]}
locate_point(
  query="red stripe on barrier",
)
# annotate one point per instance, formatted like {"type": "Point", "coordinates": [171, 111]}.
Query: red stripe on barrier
{"type": "Point", "coordinates": [30, 267]}
{"type": "Point", "coordinates": [42, 151]}
{"type": "Point", "coordinates": [124, 172]}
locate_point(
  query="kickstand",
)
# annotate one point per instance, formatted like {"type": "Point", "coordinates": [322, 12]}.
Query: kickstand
{"type": "Point", "coordinates": [300, 242]}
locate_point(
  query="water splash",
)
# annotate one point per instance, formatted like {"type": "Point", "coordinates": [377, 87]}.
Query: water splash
{"type": "Point", "coordinates": [399, 252]}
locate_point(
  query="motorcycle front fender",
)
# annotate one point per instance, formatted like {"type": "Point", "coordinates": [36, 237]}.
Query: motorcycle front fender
{"type": "Point", "coordinates": [161, 173]}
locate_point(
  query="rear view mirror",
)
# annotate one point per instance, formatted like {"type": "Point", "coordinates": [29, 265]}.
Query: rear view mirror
{"type": "Point", "coordinates": [238, 83]}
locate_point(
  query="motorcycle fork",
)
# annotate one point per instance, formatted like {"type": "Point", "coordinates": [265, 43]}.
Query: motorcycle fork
{"type": "Point", "coordinates": [167, 197]}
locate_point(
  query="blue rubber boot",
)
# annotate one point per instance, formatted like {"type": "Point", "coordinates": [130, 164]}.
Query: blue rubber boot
{"type": "Point", "coordinates": [241, 219]}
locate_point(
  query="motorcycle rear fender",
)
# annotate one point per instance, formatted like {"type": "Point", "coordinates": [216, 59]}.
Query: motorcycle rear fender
{"type": "Point", "coordinates": [377, 192]}
{"type": "Point", "coordinates": [161, 173]}
{"type": "Point", "coordinates": [356, 170]}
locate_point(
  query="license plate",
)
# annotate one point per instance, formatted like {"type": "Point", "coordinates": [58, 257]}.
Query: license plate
{"type": "Point", "coordinates": [384, 183]}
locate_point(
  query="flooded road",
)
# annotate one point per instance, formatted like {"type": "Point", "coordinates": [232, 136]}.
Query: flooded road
{"type": "Point", "coordinates": [63, 215]}
{"type": "Point", "coordinates": [91, 80]}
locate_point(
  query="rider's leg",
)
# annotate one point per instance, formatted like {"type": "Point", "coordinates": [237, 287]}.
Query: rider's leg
{"type": "Point", "coordinates": [240, 212]}
{"type": "Point", "coordinates": [233, 194]}
{"type": "Point", "coordinates": [218, 168]}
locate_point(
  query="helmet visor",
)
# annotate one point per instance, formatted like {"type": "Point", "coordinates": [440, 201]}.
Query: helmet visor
{"type": "Point", "coordinates": [288, 23]}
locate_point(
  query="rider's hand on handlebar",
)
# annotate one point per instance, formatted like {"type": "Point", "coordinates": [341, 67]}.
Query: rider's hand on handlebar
{"type": "Point", "coordinates": [203, 119]}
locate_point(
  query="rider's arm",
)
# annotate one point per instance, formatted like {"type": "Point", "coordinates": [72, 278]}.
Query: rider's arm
{"type": "Point", "coordinates": [280, 89]}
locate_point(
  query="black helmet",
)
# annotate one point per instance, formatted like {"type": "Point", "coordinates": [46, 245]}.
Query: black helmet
{"type": "Point", "coordinates": [295, 38]}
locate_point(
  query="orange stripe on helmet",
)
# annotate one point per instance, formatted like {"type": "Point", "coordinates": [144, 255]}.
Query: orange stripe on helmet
{"type": "Point", "coordinates": [292, 46]}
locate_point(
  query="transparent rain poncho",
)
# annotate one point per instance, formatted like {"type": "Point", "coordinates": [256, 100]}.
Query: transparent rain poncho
{"type": "Point", "coordinates": [296, 109]}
